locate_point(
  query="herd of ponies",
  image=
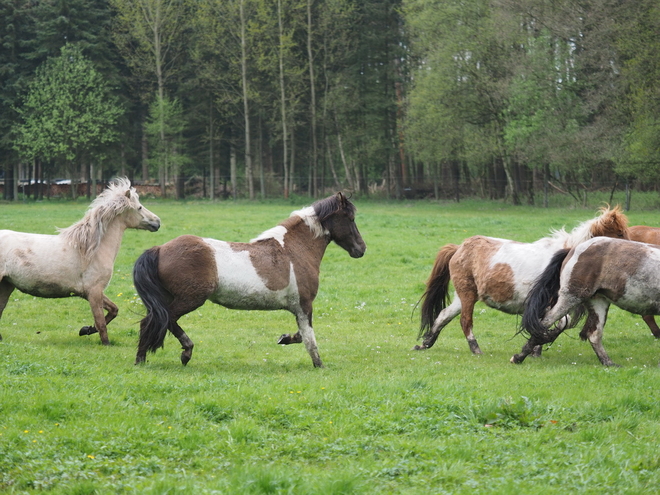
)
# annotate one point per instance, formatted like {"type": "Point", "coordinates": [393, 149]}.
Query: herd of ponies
{"type": "Point", "coordinates": [554, 283]}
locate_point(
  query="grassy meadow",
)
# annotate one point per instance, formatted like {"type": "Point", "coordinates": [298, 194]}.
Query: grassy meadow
{"type": "Point", "coordinates": [247, 416]}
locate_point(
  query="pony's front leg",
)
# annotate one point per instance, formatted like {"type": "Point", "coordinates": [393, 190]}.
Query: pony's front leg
{"type": "Point", "coordinates": [96, 304]}
{"type": "Point", "coordinates": [306, 333]}
{"type": "Point", "coordinates": [111, 313]}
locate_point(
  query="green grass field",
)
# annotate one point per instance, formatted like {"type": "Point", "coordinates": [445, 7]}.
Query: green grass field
{"type": "Point", "coordinates": [247, 416]}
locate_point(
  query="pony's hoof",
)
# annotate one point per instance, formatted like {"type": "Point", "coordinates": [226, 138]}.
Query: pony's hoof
{"type": "Point", "coordinates": [87, 330]}
{"type": "Point", "coordinates": [287, 339]}
{"type": "Point", "coordinates": [515, 360]}
{"type": "Point", "coordinates": [419, 348]}
{"type": "Point", "coordinates": [140, 360]}
{"type": "Point", "coordinates": [185, 359]}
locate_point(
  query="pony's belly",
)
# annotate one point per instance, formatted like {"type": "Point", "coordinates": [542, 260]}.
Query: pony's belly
{"type": "Point", "coordinates": [47, 290]}
{"type": "Point", "coordinates": [260, 300]}
{"type": "Point", "coordinates": [509, 307]}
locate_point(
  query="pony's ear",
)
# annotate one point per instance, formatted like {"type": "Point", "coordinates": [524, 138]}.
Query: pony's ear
{"type": "Point", "coordinates": [341, 198]}
{"type": "Point", "coordinates": [128, 193]}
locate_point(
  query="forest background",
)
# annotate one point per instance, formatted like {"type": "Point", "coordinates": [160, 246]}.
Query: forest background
{"type": "Point", "coordinates": [501, 99]}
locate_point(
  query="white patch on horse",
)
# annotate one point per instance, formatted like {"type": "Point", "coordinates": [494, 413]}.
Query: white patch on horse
{"type": "Point", "coordinates": [312, 221]}
{"type": "Point", "coordinates": [276, 233]}
{"type": "Point", "coordinates": [241, 287]}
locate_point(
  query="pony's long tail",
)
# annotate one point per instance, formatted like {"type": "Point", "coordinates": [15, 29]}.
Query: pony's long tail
{"type": "Point", "coordinates": [436, 296]}
{"type": "Point", "coordinates": [543, 296]}
{"type": "Point", "coordinates": [153, 327]}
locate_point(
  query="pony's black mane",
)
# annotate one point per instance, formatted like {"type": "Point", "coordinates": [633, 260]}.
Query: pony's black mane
{"type": "Point", "coordinates": [325, 208]}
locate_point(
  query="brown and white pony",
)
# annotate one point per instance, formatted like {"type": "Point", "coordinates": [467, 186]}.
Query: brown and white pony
{"type": "Point", "coordinates": [649, 235]}
{"type": "Point", "coordinates": [277, 270]}
{"type": "Point", "coordinates": [499, 273]}
{"type": "Point", "coordinates": [594, 274]}
{"type": "Point", "coordinates": [79, 260]}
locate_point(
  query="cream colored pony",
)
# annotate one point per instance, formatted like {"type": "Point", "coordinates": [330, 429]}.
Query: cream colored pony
{"type": "Point", "coordinates": [79, 260]}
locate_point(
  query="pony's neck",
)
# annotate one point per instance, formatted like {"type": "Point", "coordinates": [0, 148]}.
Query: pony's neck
{"type": "Point", "coordinates": [302, 235]}
{"type": "Point", "coordinates": [109, 243]}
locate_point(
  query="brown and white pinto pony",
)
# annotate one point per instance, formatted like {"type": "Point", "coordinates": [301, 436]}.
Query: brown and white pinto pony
{"type": "Point", "coordinates": [79, 260]}
{"type": "Point", "coordinates": [277, 270]}
{"type": "Point", "coordinates": [499, 273]}
{"type": "Point", "coordinates": [649, 235]}
{"type": "Point", "coordinates": [594, 274]}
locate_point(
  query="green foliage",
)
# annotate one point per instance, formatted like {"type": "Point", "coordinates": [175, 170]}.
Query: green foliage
{"type": "Point", "coordinates": [248, 416]}
{"type": "Point", "coordinates": [164, 126]}
{"type": "Point", "coordinates": [68, 110]}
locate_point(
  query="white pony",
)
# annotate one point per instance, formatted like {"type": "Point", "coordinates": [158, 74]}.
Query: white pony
{"type": "Point", "coordinates": [79, 260]}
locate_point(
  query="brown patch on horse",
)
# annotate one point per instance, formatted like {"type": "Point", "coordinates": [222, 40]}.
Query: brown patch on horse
{"type": "Point", "coordinates": [471, 270]}
{"type": "Point", "coordinates": [499, 284]}
{"type": "Point", "coordinates": [269, 259]}
{"type": "Point", "coordinates": [187, 268]}
{"type": "Point", "coordinates": [605, 266]}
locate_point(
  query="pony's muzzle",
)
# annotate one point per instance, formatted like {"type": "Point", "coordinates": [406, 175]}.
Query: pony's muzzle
{"type": "Point", "coordinates": [357, 252]}
{"type": "Point", "coordinates": [153, 226]}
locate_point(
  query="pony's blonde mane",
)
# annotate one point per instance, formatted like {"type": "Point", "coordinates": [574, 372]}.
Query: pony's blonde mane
{"type": "Point", "coordinates": [87, 233]}
{"type": "Point", "coordinates": [609, 219]}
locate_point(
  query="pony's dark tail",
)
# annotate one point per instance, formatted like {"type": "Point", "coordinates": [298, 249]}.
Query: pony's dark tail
{"type": "Point", "coordinates": [543, 296]}
{"type": "Point", "coordinates": [153, 327]}
{"type": "Point", "coordinates": [436, 296]}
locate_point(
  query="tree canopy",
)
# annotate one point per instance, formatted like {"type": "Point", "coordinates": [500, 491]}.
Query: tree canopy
{"type": "Point", "coordinates": [390, 97]}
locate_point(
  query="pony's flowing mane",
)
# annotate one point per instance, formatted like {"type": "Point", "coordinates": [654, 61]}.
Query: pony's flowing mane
{"type": "Point", "coordinates": [610, 219]}
{"type": "Point", "coordinates": [314, 216]}
{"type": "Point", "coordinates": [87, 233]}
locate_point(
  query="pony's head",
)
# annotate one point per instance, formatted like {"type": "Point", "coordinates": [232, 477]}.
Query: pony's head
{"type": "Point", "coordinates": [125, 200]}
{"type": "Point", "coordinates": [118, 201]}
{"type": "Point", "coordinates": [336, 214]}
{"type": "Point", "coordinates": [612, 222]}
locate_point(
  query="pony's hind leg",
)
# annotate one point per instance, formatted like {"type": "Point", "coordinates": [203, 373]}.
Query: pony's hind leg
{"type": "Point", "coordinates": [467, 321]}
{"type": "Point", "coordinates": [6, 289]}
{"type": "Point", "coordinates": [593, 328]}
{"type": "Point", "coordinates": [653, 326]}
{"type": "Point", "coordinates": [186, 344]}
{"type": "Point", "coordinates": [445, 316]}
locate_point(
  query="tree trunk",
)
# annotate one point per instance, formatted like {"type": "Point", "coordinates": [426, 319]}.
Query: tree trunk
{"type": "Point", "coordinates": [232, 170]}
{"type": "Point", "coordinates": [211, 164]}
{"type": "Point", "coordinates": [285, 133]}
{"type": "Point", "coordinates": [246, 106]}
{"type": "Point", "coordinates": [310, 57]}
